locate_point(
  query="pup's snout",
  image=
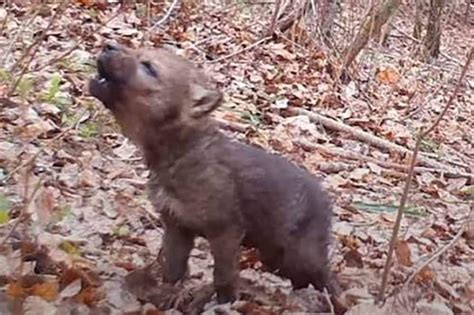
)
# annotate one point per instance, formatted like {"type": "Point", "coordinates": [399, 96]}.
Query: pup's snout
{"type": "Point", "coordinates": [109, 50]}
{"type": "Point", "coordinates": [110, 47]}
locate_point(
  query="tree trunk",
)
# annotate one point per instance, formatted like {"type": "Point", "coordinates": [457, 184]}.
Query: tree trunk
{"type": "Point", "coordinates": [378, 16]}
{"type": "Point", "coordinates": [418, 23]}
{"type": "Point", "coordinates": [468, 10]}
{"type": "Point", "coordinates": [327, 14]}
{"type": "Point", "coordinates": [432, 40]}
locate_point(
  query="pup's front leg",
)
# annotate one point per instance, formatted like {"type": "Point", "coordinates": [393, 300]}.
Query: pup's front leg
{"type": "Point", "coordinates": [225, 249]}
{"type": "Point", "coordinates": [177, 244]}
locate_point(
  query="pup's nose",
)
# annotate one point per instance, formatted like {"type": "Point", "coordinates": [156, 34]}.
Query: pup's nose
{"type": "Point", "coordinates": [110, 46]}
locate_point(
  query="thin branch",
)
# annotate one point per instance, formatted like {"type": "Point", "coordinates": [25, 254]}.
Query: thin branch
{"type": "Point", "coordinates": [241, 50]}
{"type": "Point", "coordinates": [421, 135]}
{"type": "Point", "coordinates": [455, 93]}
{"type": "Point", "coordinates": [436, 255]}
{"type": "Point", "coordinates": [398, 220]}
{"type": "Point", "coordinates": [328, 300]}
{"type": "Point", "coordinates": [165, 17]}
{"type": "Point", "coordinates": [58, 58]}
{"type": "Point", "coordinates": [39, 39]}
{"type": "Point", "coordinates": [22, 165]}
{"type": "Point", "coordinates": [34, 47]}
{"type": "Point", "coordinates": [22, 215]}
{"type": "Point", "coordinates": [19, 32]}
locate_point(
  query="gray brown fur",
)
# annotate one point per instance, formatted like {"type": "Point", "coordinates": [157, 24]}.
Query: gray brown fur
{"type": "Point", "coordinates": [203, 183]}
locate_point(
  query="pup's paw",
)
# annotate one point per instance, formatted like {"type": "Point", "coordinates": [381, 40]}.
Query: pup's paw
{"type": "Point", "coordinates": [226, 294]}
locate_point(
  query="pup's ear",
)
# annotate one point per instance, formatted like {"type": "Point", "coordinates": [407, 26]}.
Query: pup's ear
{"type": "Point", "coordinates": [205, 100]}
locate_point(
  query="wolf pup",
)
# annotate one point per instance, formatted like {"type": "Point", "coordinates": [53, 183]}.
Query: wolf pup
{"type": "Point", "coordinates": [205, 184]}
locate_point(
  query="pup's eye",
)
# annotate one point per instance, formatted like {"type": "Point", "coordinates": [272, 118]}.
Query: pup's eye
{"type": "Point", "coordinates": [150, 70]}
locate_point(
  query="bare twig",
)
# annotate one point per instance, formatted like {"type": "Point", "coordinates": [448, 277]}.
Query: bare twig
{"type": "Point", "coordinates": [328, 300]}
{"type": "Point", "coordinates": [241, 50]}
{"type": "Point", "coordinates": [58, 58]}
{"type": "Point", "coordinates": [18, 32]}
{"type": "Point", "coordinates": [455, 93]}
{"type": "Point", "coordinates": [22, 215]}
{"type": "Point", "coordinates": [34, 47]}
{"type": "Point", "coordinates": [398, 220]}
{"type": "Point", "coordinates": [39, 39]}
{"type": "Point", "coordinates": [165, 17]}
{"type": "Point", "coordinates": [436, 255]}
{"type": "Point", "coordinates": [22, 165]}
{"type": "Point", "coordinates": [404, 198]}
{"type": "Point", "coordinates": [420, 108]}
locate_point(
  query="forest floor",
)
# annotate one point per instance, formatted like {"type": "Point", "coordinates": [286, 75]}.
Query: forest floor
{"type": "Point", "coordinates": [74, 213]}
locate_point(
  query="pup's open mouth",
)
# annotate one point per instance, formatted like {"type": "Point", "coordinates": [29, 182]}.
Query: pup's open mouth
{"type": "Point", "coordinates": [101, 86]}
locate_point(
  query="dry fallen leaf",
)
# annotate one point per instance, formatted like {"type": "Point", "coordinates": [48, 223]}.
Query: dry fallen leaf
{"type": "Point", "coordinates": [16, 291]}
{"type": "Point", "coordinates": [402, 250]}
{"type": "Point", "coordinates": [388, 75]}
{"type": "Point", "coordinates": [47, 290]}
{"type": "Point", "coordinates": [425, 307]}
{"type": "Point", "coordinates": [425, 275]}
{"type": "Point", "coordinates": [72, 289]}
{"type": "Point", "coordinates": [89, 296]}
{"type": "Point", "coordinates": [353, 259]}
{"type": "Point", "coordinates": [35, 305]}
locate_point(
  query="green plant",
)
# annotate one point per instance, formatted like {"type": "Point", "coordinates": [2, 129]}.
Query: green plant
{"type": "Point", "coordinates": [88, 130]}
{"type": "Point", "coordinates": [54, 88]}
{"type": "Point", "coordinates": [4, 75]}
{"type": "Point", "coordinates": [53, 93]}
{"type": "Point", "coordinates": [25, 87]}
{"type": "Point", "coordinates": [4, 209]}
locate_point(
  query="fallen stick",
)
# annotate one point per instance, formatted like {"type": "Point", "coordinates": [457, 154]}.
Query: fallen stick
{"type": "Point", "coordinates": [240, 127]}
{"type": "Point", "coordinates": [367, 137]}
{"type": "Point", "coordinates": [389, 165]}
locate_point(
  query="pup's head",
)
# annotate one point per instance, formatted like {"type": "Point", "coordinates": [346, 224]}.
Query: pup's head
{"type": "Point", "coordinates": [151, 89]}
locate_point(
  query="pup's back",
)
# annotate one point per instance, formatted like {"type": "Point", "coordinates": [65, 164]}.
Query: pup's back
{"type": "Point", "coordinates": [287, 215]}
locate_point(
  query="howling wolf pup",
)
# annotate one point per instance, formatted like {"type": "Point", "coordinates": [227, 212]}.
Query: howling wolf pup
{"type": "Point", "coordinates": [205, 184]}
